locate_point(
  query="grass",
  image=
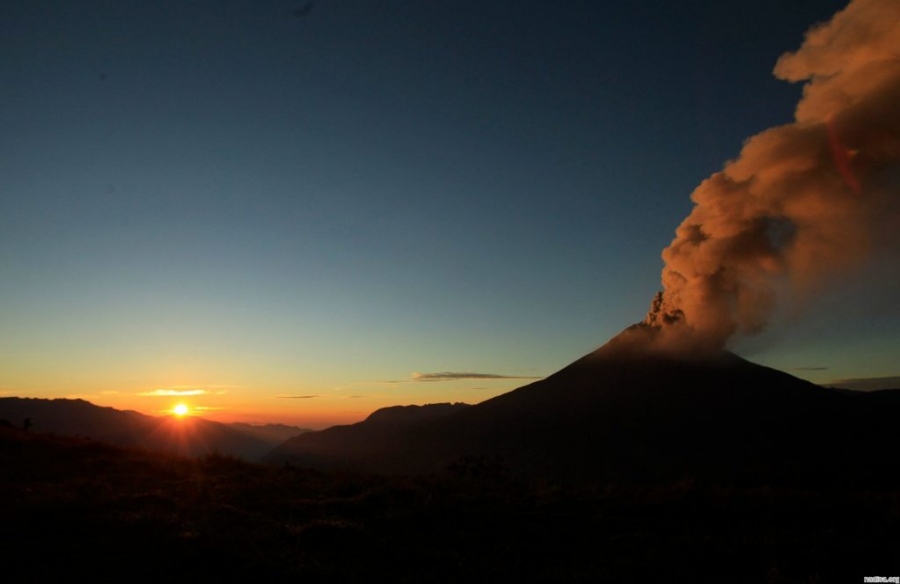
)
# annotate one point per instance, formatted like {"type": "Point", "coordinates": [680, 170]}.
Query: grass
{"type": "Point", "coordinates": [73, 507]}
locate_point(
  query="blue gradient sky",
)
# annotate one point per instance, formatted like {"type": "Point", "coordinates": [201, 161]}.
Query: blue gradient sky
{"type": "Point", "coordinates": [220, 196]}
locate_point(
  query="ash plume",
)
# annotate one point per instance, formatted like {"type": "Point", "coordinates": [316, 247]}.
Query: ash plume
{"type": "Point", "coordinates": [803, 203]}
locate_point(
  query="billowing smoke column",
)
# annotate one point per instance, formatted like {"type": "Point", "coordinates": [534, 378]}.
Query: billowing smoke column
{"type": "Point", "coordinates": [803, 202]}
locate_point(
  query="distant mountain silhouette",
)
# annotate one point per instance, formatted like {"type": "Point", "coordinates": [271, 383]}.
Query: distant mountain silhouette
{"type": "Point", "coordinates": [188, 436]}
{"type": "Point", "coordinates": [275, 433]}
{"type": "Point", "coordinates": [630, 411]}
{"type": "Point", "coordinates": [369, 445]}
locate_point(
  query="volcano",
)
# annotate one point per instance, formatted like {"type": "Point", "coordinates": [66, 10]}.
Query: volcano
{"type": "Point", "coordinates": [631, 411]}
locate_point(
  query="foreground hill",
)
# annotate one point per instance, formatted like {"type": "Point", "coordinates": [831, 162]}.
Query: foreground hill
{"type": "Point", "coordinates": [630, 412]}
{"type": "Point", "coordinates": [187, 436]}
{"type": "Point", "coordinates": [75, 509]}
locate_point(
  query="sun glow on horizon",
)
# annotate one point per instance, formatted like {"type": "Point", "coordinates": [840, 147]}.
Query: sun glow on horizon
{"type": "Point", "coordinates": [181, 410]}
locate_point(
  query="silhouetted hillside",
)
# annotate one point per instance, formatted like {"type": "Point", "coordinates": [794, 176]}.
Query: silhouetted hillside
{"type": "Point", "coordinates": [276, 433]}
{"type": "Point", "coordinates": [630, 412]}
{"type": "Point", "coordinates": [189, 436]}
{"type": "Point", "coordinates": [74, 509]}
{"type": "Point", "coordinates": [411, 414]}
{"type": "Point", "coordinates": [373, 438]}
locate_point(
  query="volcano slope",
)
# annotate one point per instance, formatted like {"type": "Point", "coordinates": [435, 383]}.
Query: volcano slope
{"type": "Point", "coordinates": [630, 412]}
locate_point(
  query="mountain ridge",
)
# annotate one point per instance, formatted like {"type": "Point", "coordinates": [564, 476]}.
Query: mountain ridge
{"type": "Point", "coordinates": [190, 436]}
{"type": "Point", "coordinates": [633, 410]}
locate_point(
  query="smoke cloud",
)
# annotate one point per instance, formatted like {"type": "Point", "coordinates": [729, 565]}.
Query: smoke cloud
{"type": "Point", "coordinates": [803, 203]}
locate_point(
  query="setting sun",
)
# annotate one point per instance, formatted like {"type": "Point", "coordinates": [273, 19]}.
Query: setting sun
{"type": "Point", "coordinates": [180, 410]}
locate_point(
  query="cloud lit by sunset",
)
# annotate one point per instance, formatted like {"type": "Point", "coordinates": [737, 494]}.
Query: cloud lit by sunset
{"type": "Point", "coordinates": [172, 392]}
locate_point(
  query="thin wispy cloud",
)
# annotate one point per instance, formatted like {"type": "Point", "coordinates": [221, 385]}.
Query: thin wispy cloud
{"type": "Point", "coordinates": [810, 368]}
{"type": "Point", "coordinates": [172, 392]}
{"type": "Point", "coordinates": [283, 396]}
{"type": "Point", "coordinates": [193, 410]}
{"type": "Point", "coordinates": [457, 376]}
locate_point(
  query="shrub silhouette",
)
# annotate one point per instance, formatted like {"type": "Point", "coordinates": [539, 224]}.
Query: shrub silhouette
{"type": "Point", "coordinates": [478, 467]}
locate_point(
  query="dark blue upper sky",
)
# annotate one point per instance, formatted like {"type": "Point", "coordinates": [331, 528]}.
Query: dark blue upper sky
{"type": "Point", "coordinates": [240, 196]}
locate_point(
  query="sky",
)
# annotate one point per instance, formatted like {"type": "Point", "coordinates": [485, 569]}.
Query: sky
{"type": "Point", "coordinates": [301, 212]}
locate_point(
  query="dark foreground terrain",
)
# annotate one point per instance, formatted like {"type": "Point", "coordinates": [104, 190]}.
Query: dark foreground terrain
{"type": "Point", "coordinates": [79, 508]}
